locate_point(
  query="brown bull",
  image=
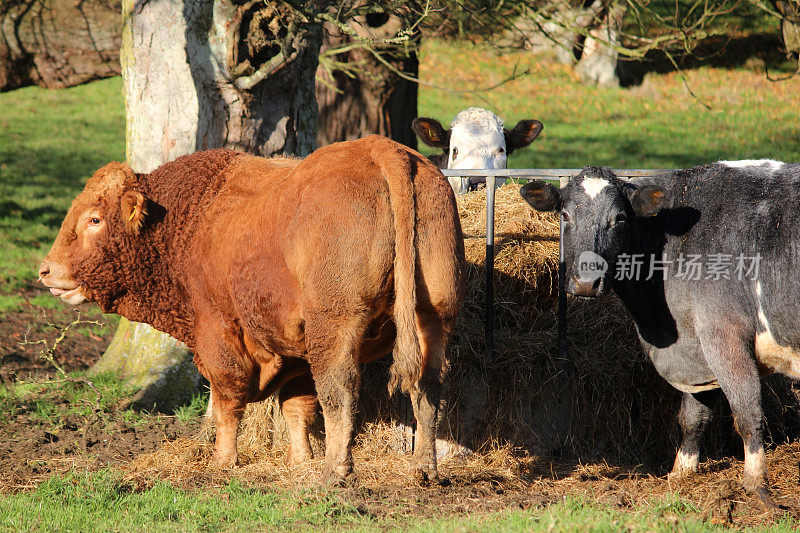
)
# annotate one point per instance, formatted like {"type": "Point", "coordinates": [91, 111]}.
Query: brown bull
{"type": "Point", "coordinates": [282, 276]}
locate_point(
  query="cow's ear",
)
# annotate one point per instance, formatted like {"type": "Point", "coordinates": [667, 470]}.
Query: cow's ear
{"type": "Point", "coordinates": [522, 135]}
{"type": "Point", "coordinates": [648, 200]}
{"type": "Point", "coordinates": [541, 196]}
{"type": "Point", "coordinates": [132, 210]}
{"type": "Point", "coordinates": [431, 132]}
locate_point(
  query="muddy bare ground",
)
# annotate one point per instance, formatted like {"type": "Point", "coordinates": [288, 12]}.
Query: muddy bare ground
{"type": "Point", "coordinates": [21, 330]}
{"type": "Point", "coordinates": [144, 449]}
{"type": "Point", "coordinates": [37, 442]}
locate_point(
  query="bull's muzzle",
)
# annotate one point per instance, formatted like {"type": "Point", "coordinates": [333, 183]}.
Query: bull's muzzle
{"type": "Point", "coordinates": [55, 277]}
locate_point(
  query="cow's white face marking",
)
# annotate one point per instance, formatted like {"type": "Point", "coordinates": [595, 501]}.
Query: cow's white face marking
{"type": "Point", "coordinates": [769, 352]}
{"type": "Point", "coordinates": [745, 163]}
{"type": "Point", "coordinates": [593, 186]}
{"type": "Point", "coordinates": [477, 140]}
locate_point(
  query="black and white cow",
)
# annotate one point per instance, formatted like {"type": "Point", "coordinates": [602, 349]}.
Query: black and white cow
{"type": "Point", "coordinates": [713, 328]}
{"type": "Point", "coordinates": [476, 140]}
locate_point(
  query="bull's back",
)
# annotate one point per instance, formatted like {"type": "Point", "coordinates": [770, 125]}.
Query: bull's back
{"type": "Point", "coordinates": [284, 241]}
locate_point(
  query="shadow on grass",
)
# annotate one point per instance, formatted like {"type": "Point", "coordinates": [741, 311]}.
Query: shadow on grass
{"type": "Point", "coordinates": [718, 51]}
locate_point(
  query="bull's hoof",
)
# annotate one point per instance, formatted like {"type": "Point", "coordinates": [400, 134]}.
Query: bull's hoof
{"type": "Point", "coordinates": [425, 475]}
{"type": "Point", "coordinates": [298, 458]}
{"type": "Point", "coordinates": [767, 501]}
{"type": "Point", "coordinates": [339, 478]}
{"type": "Point", "coordinates": [223, 462]}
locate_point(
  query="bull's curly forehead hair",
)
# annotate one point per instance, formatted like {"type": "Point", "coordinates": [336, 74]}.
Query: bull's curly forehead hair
{"type": "Point", "coordinates": [112, 177]}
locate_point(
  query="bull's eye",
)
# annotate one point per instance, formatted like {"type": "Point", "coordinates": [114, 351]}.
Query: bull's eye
{"type": "Point", "coordinates": [455, 153]}
{"type": "Point", "coordinates": [95, 221]}
{"type": "Point", "coordinates": [621, 217]}
{"type": "Point", "coordinates": [501, 150]}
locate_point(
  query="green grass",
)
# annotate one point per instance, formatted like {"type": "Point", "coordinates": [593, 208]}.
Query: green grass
{"type": "Point", "coordinates": [104, 501]}
{"type": "Point", "coordinates": [50, 402]}
{"type": "Point", "coordinates": [50, 144]}
{"type": "Point", "coordinates": [194, 409]}
{"type": "Point", "coordinates": [656, 125]}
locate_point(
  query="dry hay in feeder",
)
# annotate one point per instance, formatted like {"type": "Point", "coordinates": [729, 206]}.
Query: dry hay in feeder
{"type": "Point", "coordinates": [604, 400]}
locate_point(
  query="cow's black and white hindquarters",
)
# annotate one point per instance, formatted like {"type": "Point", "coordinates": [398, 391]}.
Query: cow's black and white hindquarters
{"type": "Point", "coordinates": [706, 260]}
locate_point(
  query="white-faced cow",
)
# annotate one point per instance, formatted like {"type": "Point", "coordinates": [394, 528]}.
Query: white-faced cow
{"type": "Point", "coordinates": [282, 275]}
{"type": "Point", "coordinates": [706, 261]}
{"type": "Point", "coordinates": [476, 140]}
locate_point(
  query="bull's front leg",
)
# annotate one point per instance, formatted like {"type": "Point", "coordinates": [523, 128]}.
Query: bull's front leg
{"type": "Point", "coordinates": [224, 365]}
{"type": "Point", "coordinates": [228, 412]}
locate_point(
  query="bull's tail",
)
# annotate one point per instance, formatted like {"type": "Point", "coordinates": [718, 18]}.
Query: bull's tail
{"type": "Point", "coordinates": [395, 165]}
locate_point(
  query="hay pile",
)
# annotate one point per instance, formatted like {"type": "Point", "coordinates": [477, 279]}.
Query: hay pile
{"type": "Point", "coordinates": [604, 401]}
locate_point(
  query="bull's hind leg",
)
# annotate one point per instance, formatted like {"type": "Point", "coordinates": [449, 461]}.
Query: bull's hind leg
{"type": "Point", "coordinates": [696, 411]}
{"type": "Point", "coordinates": [425, 396]}
{"type": "Point", "coordinates": [298, 404]}
{"type": "Point", "coordinates": [731, 359]}
{"type": "Point", "coordinates": [331, 343]}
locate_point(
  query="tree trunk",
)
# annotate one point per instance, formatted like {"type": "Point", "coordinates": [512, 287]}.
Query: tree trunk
{"type": "Point", "coordinates": [202, 74]}
{"type": "Point", "coordinates": [58, 43]}
{"type": "Point", "coordinates": [599, 61]}
{"type": "Point", "coordinates": [372, 98]}
{"type": "Point", "coordinates": [562, 28]}
{"type": "Point", "coordinates": [790, 25]}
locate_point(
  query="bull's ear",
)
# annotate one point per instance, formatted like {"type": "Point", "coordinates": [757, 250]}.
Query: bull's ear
{"type": "Point", "coordinates": [648, 200]}
{"type": "Point", "coordinates": [541, 196]}
{"type": "Point", "coordinates": [431, 132]}
{"type": "Point", "coordinates": [522, 135]}
{"type": "Point", "coordinates": [132, 210]}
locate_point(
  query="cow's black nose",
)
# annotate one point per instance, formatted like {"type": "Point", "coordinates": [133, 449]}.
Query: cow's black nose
{"type": "Point", "coordinates": [584, 288]}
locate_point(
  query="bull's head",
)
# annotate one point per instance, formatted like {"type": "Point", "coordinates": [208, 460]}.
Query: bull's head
{"type": "Point", "coordinates": [599, 212]}
{"type": "Point", "coordinates": [88, 240]}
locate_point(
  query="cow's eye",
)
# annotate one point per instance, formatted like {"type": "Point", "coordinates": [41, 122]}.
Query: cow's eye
{"type": "Point", "coordinates": [622, 217]}
{"type": "Point", "coordinates": [564, 216]}
{"type": "Point", "coordinates": [455, 153]}
{"type": "Point", "coordinates": [95, 221]}
{"type": "Point", "coordinates": [501, 150]}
